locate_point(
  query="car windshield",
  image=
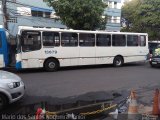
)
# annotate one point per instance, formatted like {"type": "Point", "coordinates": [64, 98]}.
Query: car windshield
{"type": "Point", "coordinates": [156, 52]}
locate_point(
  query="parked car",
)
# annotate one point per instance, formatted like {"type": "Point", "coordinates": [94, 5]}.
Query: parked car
{"type": "Point", "coordinates": [11, 88]}
{"type": "Point", "coordinates": [155, 57]}
{"type": "Point", "coordinates": [155, 61]}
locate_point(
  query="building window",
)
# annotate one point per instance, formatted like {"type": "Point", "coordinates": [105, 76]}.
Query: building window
{"type": "Point", "coordinates": [118, 40]}
{"type": "Point", "coordinates": [109, 19]}
{"type": "Point", "coordinates": [47, 14]}
{"type": "Point", "coordinates": [37, 13]}
{"type": "Point", "coordinates": [115, 5]}
{"type": "Point", "coordinates": [12, 20]}
{"type": "Point", "coordinates": [114, 19]}
{"type": "Point", "coordinates": [110, 4]}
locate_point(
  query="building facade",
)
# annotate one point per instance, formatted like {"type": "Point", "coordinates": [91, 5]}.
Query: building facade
{"type": "Point", "coordinates": [113, 12]}
{"type": "Point", "coordinates": [33, 13]}
{"type": "Point", "coordinates": [29, 13]}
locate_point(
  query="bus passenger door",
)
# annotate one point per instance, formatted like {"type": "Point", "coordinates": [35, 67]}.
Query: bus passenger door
{"type": "Point", "coordinates": [31, 49]}
{"type": "Point", "coordinates": [69, 51]}
{"type": "Point", "coordinates": [103, 49]}
{"type": "Point", "coordinates": [86, 49]}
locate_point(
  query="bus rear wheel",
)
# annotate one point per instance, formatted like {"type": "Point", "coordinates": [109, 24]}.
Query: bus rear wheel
{"type": "Point", "coordinates": [51, 65]}
{"type": "Point", "coordinates": [118, 61]}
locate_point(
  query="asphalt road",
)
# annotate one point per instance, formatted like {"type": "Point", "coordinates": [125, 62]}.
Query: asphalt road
{"type": "Point", "coordinates": [89, 82]}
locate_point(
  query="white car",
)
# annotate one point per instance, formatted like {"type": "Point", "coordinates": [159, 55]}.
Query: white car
{"type": "Point", "coordinates": [11, 88]}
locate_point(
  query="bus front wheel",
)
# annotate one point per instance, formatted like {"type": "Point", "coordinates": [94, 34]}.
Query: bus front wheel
{"type": "Point", "coordinates": [118, 61]}
{"type": "Point", "coordinates": [51, 65]}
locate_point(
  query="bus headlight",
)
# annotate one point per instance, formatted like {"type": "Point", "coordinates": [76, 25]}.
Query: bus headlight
{"type": "Point", "coordinates": [14, 85]}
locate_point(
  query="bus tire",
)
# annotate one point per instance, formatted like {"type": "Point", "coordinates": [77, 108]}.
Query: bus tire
{"type": "Point", "coordinates": [118, 61]}
{"type": "Point", "coordinates": [3, 101]}
{"type": "Point", "coordinates": [51, 65]}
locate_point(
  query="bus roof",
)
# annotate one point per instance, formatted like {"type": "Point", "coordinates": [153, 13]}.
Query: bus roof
{"type": "Point", "coordinates": [71, 30]}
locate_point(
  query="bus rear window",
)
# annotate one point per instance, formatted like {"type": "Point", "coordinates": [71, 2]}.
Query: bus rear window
{"type": "Point", "coordinates": [142, 40]}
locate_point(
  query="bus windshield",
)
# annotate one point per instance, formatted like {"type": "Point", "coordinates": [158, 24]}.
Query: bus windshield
{"type": "Point", "coordinates": [30, 41]}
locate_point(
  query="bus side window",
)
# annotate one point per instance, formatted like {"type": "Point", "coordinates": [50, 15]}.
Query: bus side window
{"type": "Point", "coordinates": [132, 40]}
{"type": "Point", "coordinates": [51, 39]}
{"type": "Point", "coordinates": [142, 40]}
{"type": "Point", "coordinates": [69, 39]}
{"type": "Point", "coordinates": [103, 40]}
{"type": "Point", "coordinates": [86, 39]}
{"type": "Point", "coordinates": [118, 40]}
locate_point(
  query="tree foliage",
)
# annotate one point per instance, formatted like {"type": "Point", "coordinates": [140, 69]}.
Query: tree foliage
{"type": "Point", "coordinates": [142, 16]}
{"type": "Point", "coordinates": [80, 14]}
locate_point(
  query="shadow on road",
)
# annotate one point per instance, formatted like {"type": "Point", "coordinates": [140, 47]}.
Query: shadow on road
{"type": "Point", "coordinates": [77, 68]}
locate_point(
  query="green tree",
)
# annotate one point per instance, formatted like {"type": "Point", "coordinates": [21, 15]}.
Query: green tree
{"type": "Point", "coordinates": [142, 16]}
{"type": "Point", "coordinates": [80, 14]}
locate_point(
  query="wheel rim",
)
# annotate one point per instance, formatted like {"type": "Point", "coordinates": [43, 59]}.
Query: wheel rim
{"type": "Point", "coordinates": [118, 62]}
{"type": "Point", "coordinates": [52, 65]}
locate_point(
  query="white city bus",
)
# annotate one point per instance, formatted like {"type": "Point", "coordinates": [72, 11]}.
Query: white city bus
{"type": "Point", "coordinates": [52, 48]}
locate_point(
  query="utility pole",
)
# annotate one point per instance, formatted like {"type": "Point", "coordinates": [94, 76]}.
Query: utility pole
{"type": "Point", "coordinates": [4, 12]}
